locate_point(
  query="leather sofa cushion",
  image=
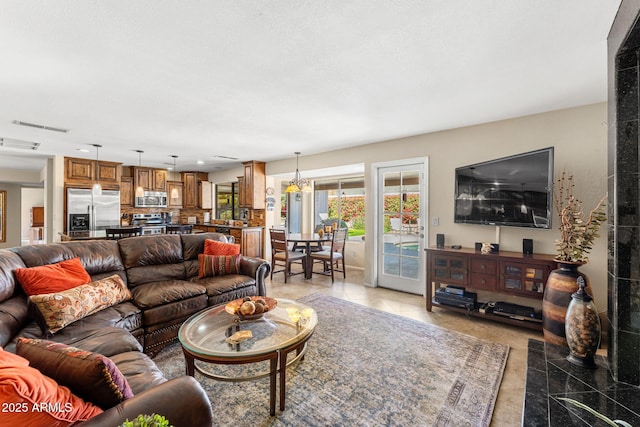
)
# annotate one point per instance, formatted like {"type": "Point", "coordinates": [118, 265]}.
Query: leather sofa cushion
{"type": "Point", "coordinates": [167, 313]}
{"type": "Point", "coordinates": [154, 273]}
{"type": "Point", "coordinates": [9, 261]}
{"type": "Point", "coordinates": [14, 313]}
{"type": "Point", "coordinates": [151, 250]}
{"type": "Point", "coordinates": [155, 294]}
{"type": "Point", "coordinates": [223, 284]}
{"type": "Point", "coordinates": [139, 370]}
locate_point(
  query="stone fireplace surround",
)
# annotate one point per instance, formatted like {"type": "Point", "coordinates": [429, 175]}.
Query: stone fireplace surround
{"type": "Point", "coordinates": [614, 388]}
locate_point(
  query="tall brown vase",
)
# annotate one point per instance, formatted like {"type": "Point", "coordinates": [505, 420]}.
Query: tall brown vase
{"type": "Point", "coordinates": [562, 282]}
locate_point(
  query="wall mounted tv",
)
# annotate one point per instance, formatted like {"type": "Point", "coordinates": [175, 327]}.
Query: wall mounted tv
{"type": "Point", "coordinates": [512, 191]}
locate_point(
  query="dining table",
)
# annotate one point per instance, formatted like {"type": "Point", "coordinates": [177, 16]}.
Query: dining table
{"type": "Point", "coordinates": [306, 239]}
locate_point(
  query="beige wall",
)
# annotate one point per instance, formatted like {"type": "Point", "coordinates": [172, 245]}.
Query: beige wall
{"type": "Point", "coordinates": [13, 220]}
{"type": "Point", "coordinates": [577, 134]}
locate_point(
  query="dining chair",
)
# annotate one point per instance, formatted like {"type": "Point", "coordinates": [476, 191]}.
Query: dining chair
{"type": "Point", "coordinates": [331, 257]}
{"type": "Point", "coordinates": [282, 255]}
{"type": "Point", "coordinates": [179, 229]}
{"type": "Point", "coordinates": [122, 232]}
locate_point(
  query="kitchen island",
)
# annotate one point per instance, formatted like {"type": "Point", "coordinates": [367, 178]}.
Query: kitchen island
{"type": "Point", "coordinates": [250, 239]}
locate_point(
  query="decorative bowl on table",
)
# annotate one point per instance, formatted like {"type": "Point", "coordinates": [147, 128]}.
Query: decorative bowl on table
{"type": "Point", "coordinates": [248, 308]}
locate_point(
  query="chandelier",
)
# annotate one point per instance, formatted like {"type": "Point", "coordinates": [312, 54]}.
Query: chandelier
{"type": "Point", "coordinates": [139, 188]}
{"type": "Point", "coordinates": [174, 191]}
{"type": "Point", "coordinates": [298, 183]}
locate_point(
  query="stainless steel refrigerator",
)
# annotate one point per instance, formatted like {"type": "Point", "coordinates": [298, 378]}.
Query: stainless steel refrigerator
{"type": "Point", "coordinates": [103, 209]}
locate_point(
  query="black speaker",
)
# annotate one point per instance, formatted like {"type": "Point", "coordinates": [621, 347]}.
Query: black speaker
{"type": "Point", "coordinates": [527, 246]}
{"type": "Point", "coordinates": [440, 240]}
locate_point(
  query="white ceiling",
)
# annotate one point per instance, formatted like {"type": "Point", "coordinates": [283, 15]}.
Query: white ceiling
{"type": "Point", "coordinates": [261, 79]}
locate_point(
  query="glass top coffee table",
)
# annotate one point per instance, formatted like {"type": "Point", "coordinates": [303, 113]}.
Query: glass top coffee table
{"type": "Point", "coordinates": [207, 337]}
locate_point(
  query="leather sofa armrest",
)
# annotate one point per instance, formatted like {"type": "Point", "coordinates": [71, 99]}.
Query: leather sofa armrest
{"type": "Point", "coordinates": [257, 268]}
{"type": "Point", "coordinates": [191, 409]}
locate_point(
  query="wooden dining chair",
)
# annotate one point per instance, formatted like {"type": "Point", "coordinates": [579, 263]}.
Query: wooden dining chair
{"type": "Point", "coordinates": [179, 229]}
{"type": "Point", "coordinates": [122, 232]}
{"type": "Point", "coordinates": [333, 256]}
{"type": "Point", "coordinates": [282, 255]}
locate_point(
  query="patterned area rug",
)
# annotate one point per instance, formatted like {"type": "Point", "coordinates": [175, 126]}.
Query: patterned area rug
{"type": "Point", "coordinates": [365, 367]}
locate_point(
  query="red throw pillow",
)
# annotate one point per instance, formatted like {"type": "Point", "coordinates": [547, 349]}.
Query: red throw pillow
{"type": "Point", "coordinates": [35, 399]}
{"type": "Point", "coordinates": [46, 279]}
{"type": "Point", "coordinates": [218, 265]}
{"type": "Point", "coordinates": [213, 247]}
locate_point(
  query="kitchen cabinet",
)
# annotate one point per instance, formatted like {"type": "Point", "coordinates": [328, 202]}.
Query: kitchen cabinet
{"type": "Point", "coordinates": [192, 189]}
{"type": "Point", "coordinates": [174, 202]}
{"type": "Point", "coordinates": [37, 216]}
{"type": "Point", "coordinates": [84, 173]}
{"type": "Point", "coordinates": [252, 185]}
{"type": "Point", "coordinates": [509, 273]}
{"type": "Point", "coordinates": [150, 179]}
{"type": "Point", "coordinates": [250, 240]}
{"type": "Point", "coordinates": [126, 191]}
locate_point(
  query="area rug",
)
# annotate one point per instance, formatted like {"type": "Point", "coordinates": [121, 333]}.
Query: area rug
{"type": "Point", "coordinates": [366, 367]}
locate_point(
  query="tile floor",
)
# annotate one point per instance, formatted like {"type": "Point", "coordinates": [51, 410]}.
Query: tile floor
{"type": "Point", "coordinates": [508, 410]}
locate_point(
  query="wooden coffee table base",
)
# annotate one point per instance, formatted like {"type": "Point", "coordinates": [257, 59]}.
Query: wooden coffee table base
{"type": "Point", "coordinates": [277, 363]}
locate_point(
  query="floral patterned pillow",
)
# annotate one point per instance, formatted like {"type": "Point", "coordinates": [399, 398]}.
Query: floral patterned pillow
{"type": "Point", "coordinates": [59, 309]}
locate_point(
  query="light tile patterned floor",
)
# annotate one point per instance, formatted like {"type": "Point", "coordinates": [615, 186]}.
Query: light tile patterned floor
{"type": "Point", "coordinates": [508, 411]}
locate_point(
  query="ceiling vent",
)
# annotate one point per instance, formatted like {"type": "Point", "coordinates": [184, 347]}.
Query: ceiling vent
{"type": "Point", "coordinates": [226, 157]}
{"type": "Point", "coordinates": [37, 126]}
{"type": "Point", "coordinates": [16, 143]}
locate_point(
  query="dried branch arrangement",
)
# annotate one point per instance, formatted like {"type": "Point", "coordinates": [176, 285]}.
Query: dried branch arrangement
{"type": "Point", "coordinates": [577, 233]}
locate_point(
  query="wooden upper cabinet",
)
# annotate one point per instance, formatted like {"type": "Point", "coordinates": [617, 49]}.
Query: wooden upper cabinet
{"type": "Point", "coordinates": [159, 180]}
{"type": "Point", "coordinates": [252, 185]}
{"type": "Point", "coordinates": [79, 169]}
{"type": "Point", "coordinates": [126, 191]}
{"type": "Point", "coordinates": [191, 188]}
{"type": "Point", "coordinates": [85, 172]}
{"type": "Point", "coordinates": [108, 172]}
{"type": "Point", "coordinates": [150, 179]}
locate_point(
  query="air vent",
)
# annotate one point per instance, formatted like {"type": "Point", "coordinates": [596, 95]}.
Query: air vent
{"type": "Point", "coordinates": [16, 143]}
{"type": "Point", "coordinates": [37, 126]}
{"type": "Point", "coordinates": [226, 157]}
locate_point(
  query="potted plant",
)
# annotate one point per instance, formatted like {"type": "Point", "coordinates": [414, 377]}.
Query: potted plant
{"type": "Point", "coordinates": [153, 420]}
{"type": "Point", "coordinates": [577, 234]}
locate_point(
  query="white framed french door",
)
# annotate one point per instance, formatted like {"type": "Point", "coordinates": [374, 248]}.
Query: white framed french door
{"type": "Point", "coordinates": [401, 219]}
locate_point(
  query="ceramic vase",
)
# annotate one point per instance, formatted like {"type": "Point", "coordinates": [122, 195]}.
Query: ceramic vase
{"type": "Point", "coordinates": [582, 328]}
{"type": "Point", "coordinates": [561, 284]}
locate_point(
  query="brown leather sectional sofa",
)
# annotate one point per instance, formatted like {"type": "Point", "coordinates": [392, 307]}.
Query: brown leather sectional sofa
{"type": "Point", "coordinates": [162, 273]}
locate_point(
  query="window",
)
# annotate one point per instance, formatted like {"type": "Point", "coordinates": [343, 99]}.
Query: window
{"type": "Point", "coordinates": [341, 199]}
{"type": "Point", "coordinates": [227, 201]}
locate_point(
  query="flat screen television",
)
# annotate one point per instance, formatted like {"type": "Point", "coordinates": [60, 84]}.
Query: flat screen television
{"type": "Point", "coordinates": [512, 191]}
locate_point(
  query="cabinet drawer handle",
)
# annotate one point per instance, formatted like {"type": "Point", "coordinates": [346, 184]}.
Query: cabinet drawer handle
{"type": "Point", "coordinates": [483, 267]}
{"type": "Point", "coordinates": [483, 281]}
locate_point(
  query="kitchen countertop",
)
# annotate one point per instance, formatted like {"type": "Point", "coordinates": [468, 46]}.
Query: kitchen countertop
{"type": "Point", "coordinates": [208, 224]}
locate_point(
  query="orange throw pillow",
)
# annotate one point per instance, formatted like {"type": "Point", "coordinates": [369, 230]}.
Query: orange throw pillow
{"type": "Point", "coordinates": [213, 247]}
{"type": "Point", "coordinates": [32, 399]}
{"type": "Point", "coordinates": [46, 279]}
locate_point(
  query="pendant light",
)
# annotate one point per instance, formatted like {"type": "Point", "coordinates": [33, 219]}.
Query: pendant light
{"type": "Point", "coordinates": [174, 191]}
{"type": "Point", "coordinates": [139, 189]}
{"type": "Point", "coordinates": [298, 184]}
{"type": "Point", "coordinates": [97, 188]}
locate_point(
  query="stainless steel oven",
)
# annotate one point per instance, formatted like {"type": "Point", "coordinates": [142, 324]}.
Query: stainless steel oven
{"type": "Point", "coordinates": [152, 199]}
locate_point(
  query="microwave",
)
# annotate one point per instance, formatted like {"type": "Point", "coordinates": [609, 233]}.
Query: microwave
{"type": "Point", "coordinates": [152, 199]}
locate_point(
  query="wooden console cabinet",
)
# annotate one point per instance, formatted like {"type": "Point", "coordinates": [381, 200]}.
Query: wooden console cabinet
{"type": "Point", "coordinates": [510, 273]}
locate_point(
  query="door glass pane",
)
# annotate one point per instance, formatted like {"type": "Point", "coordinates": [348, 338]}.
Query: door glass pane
{"type": "Point", "coordinates": [391, 265]}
